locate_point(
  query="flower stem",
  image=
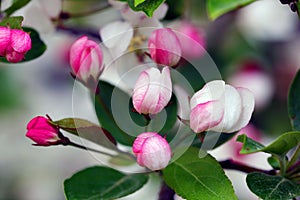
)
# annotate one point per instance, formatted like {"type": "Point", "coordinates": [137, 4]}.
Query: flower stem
{"type": "Point", "coordinates": [231, 164]}
{"type": "Point", "coordinates": [90, 149]}
{"type": "Point", "coordinates": [294, 157]}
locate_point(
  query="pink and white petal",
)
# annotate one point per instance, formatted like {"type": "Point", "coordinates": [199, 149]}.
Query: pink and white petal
{"type": "Point", "coordinates": [140, 90]}
{"type": "Point", "coordinates": [156, 153]}
{"type": "Point", "coordinates": [248, 103]}
{"type": "Point", "coordinates": [76, 52]}
{"type": "Point", "coordinates": [211, 91]}
{"type": "Point", "coordinates": [165, 92]}
{"type": "Point", "coordinates": [139, 141]}
{"type": "Point", "coordinates": [206, 115]}
{"type": "Point", "coordinates": [232, 110]}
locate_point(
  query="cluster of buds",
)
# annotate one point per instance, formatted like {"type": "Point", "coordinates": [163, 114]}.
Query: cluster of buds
{"type": "Point", "coordinates": [14, 44]}
{"type": "Point", "coordinates": [217, 106]}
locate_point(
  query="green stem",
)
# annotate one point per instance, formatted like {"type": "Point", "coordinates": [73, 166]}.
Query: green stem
{"type": "Point", "coordinates": [294, 157]}
{"type": "Point", "coordinates": [90, 149]}
{"type": "Point", "coordinates": [282, 162]}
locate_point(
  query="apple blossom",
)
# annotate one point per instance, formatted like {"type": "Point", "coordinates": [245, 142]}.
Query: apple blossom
{"type": "Point", "coordinates": [86, 60]}
{"type": "Point", "coordinates": [164, 47]}
{"type": "Point", "coordinates": [220, 107]}
{"type": "Point", "coordinates": [152, 91]}
{"type": "Point", "coordinates": [256, 80]}
{"type": "Point", "coordinates": [152, 151]}
{"type": "Point", "coordinates": [14, 44]}
{"type": "Point", "coordinates": [42, 132]}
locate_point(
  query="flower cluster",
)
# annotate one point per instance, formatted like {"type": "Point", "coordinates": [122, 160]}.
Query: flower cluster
{"type": "Point", "coordinates": [14, 44]}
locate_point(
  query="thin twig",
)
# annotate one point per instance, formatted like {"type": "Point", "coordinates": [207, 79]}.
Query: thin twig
{"type": "Point", "coordinates": [231, 164]}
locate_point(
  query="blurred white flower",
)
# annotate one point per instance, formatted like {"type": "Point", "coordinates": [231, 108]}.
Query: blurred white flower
{"type": "Point", "coordinates": [257, 81]}
{"type": "Point", "coordinates": [267, 20]}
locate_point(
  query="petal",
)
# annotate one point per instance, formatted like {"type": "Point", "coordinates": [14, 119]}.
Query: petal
{"type": "Point", "coordinates": [20, 41]}
{"type": "Point", "coordinates": [5, 37]}
{"type": "Point", "coordinates": [139, 141]}
{"type": "Point", "coordinates": [165, 92]}
{"type": "Point", "coordinates": [206, 115]}
{"type": "Point", "coordinates": [212, 90]}
{"type": "Point", "coordinates": [14, 56]}
{"type": "Point", "coordinates": [247, 109]}
{"type": "Point", "coordinates": [76, 53]}
{"type": "Point", "coordinates": [117, 36]}
{"type": "Point", "coordinates": [156, 153]}
{"type": "Point", "coordinates": [140, 90]}
{"type": "Point", "coordinates": [232, 103]}
{"type": "Point", "coordinates": [160, 12]}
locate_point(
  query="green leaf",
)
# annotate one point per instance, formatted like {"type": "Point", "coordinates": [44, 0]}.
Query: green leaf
{"type": "Point", "coordinates": [274, 162]}
{"type": "Point", "coordinates": [196, 178]}
{"type": "Point", "coordinates": [12, 22]}
{"type": "Point", "coordinates": [272, 187]}
{"type": "Point", "coordinates": [103, 106]}
{"type": "Point", "coordinates": [147, 6]}
{"type": "Point", "coordinates": [87, 130]}
{"type": "Point", "coordinates": [17, 4]}
{"type": "Point", "coordinates": [249, 145]}
{"type": "Point", "coordinates": [280, 146]}
{"type": "Point", "coordinates": [102, 183]}
{"type": "Point", "coordinates": [294, 102]}
{"type": "Point", "coordinates": [216, 8]}
{"type": "Point", "coordinates": [138, 2]}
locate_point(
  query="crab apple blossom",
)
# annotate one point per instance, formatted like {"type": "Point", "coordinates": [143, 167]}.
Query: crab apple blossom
{"type": "Point", "coordinates": [86, 60]}
{"type": "Point", "coordinates": [42, 132]}
{"type": "Point", "coordinates": [152, 151]}
{"type": "Point", "coordinates": [221, 108]}
{"type": "Point", "coordinates": [152, 91]}
{"type": "Point", "coordinates": [14, 44]}
{"type": "Point", "coordinates": [164, 47]}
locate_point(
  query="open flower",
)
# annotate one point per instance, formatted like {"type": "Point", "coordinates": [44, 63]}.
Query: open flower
{"type": "Point", "coordinates": [42, 132]}
{"type": "Point", "coordinates": [164, 47]}
{"type": "Point", "coordinates": [86, 60]}
{"type": "Point", "coordinates": [152, 151]}
{"type": "Point", "coordinates": [14, 44]}
{"type": "Point", "coordinates": [152, 91]}
{"type": "Point", "coordinates": [220, 107]}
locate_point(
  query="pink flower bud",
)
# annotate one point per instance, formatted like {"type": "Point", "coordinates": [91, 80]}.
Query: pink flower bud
{"type": "Point", "coordinates": [152, 91]}
{"type": "Point", "coordinates": [42, 132]}
{"type": "Point", "coordinates": [191, 40]}
{"type": "Point", "coordinates": [152, 151]}
{"type": "Point", "coordinates": [14, 44]}
{"type": "Point", "coordinates": [164, 47]}
{"type": "Point", "coordinates": [221, 108]}
{"type": "Point", "coordinates": [86, 60]}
